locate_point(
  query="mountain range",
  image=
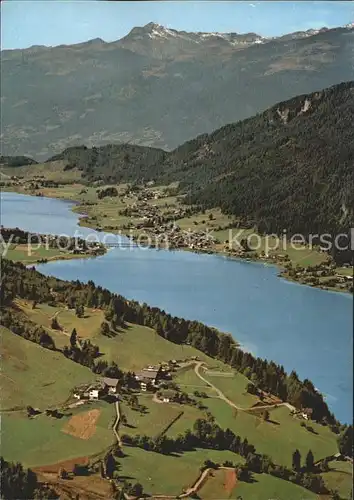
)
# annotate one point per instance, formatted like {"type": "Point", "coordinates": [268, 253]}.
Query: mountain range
{"type": "Point", "coordinates": [157, 86]}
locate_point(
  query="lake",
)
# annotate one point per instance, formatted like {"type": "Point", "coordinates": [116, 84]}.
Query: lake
{"type": "Point", "coordinates": [304, 329]}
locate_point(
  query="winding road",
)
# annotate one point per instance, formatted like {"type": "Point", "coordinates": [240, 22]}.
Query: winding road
{"type": "Point", "coordinates": [222, 396]}
{"type": "Point", "coordinates": [116, 424]}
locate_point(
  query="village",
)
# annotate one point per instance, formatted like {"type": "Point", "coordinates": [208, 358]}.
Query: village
{"type": "Point", "coordinates": [159, 381]}
{"type": "Point", "coordinates": [159, 221]}
{"type": "Point", "coordinates": [149, 379]}
{"type": "Point", "coordinates": [154, 216]}
{"type": "Point", "coordinates": [324, 274]}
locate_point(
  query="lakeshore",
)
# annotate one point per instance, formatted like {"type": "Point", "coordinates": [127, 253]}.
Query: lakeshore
{"type": "Point", "coordinates": [153, 215]}
{"type": "Point", "coordinates": [233, 295]}
{"type": "Point", "coordinates": [28, 248]}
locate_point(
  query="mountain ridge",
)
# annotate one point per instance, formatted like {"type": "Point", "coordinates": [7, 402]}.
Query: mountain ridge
{"type": "Point", "coordinates": [151, 26]}
{"type": "Point", "coordinates": [101, 93]}
{"type": "Point", "coordinates": [289, 167]}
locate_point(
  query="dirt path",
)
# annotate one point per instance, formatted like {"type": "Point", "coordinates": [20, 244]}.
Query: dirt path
{"type": "Point", "coordinates": [196, 486]}
{"type": "Point", "coordinates": [116, 424]}
{"type": "Point", "coordinates": [222, 396]}
{"type": "Point", "coordinates": [230, 481]}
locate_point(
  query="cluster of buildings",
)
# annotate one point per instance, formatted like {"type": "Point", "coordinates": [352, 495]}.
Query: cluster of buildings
{"type": "Point", "coordinates": [147, 213]}
{"type": "Point", "coordinates": [144, 194]}
{"type": "Point", "coordinates": [161, 226]}
{"type": "Point", "coordinates": [342, 278]}
{"type": "Point", "coordinates": [149, 378]}
{"type": "Point", "coordinates": [97, 390]}
{"type": "Point", "coordinates": [172, 236]}
{"type": "Point", "coordinates": [305, 413]}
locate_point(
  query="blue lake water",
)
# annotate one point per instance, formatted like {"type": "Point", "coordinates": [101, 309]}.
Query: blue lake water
{"type": "Point", "coordinates": [303, 328]}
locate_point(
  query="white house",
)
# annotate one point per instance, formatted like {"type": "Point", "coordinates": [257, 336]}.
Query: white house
{"type": "Point", "coordinates": [94, 393]}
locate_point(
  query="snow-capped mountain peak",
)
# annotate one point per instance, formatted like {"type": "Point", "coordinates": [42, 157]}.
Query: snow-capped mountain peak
{"type": "Point", "coordinates": [160, 41]}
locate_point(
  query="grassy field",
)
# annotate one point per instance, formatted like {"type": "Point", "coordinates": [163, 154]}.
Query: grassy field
{"type": "Point", "coordinates": [232, 384]}
{"type": "Point", "coordinates": [137, 346]}
{"type": "Point", "coordinates": [32, 375]}
{"type": "Point", "coordinates": [277, 438]}
{"type": "Point", "coordinates": [53, 171]}
{"type": "Point", "coordinates": [28, 255]}
{"type": "Point", "coordinates": [158, 417]}
{"type": "Point", "coordinates": [233, 387]}
{"type": "Point", "coordinates": [87, 327]}
{"type": "Point", "coordinates": [41, 440]}
{"type": "Point", "coordinates": [168, 474]}
{"type": "Point", "coordinates": [340, 477]}
{"type": "Point", "coordinates": [211, 220]}
{"type": "Point", "coordinates": [186, 421]}
{"type": "Point", "coordinates": [263, 487]}
{"type": "Point", "coordinates": [125, 348]}
{"type": "Point", "coordinates": [189, 382]}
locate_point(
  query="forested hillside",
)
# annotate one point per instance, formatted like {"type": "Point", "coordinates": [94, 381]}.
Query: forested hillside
{"type": "Point", "coordinates": [113, 163]}
{"type": "Point", "coordinates": [21, 282]}
{"type": "Point", "coordinates": [290, 167]}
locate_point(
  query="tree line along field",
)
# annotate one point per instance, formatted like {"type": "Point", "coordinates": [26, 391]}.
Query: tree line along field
{"type": "Point", "coordinates": [263, 486]}
{"type": "Point", "coordinates": [44, 440]}
{"type": "Point", "coordinates": [156, 419]}
{"type": "Point", "coordinates": [35, 376]}
{"type": "Point", "coordinates": [124, 347]}
{"type": "Point", "coordinates": [41, 441]}
{"type": "Point", "coordinates": [166, 474]}
{"type": "Point", "coordinates": [279, 436]}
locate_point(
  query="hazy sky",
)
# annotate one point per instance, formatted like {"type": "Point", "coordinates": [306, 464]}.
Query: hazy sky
{"type": "Point", "coordinates": [51, 22]}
